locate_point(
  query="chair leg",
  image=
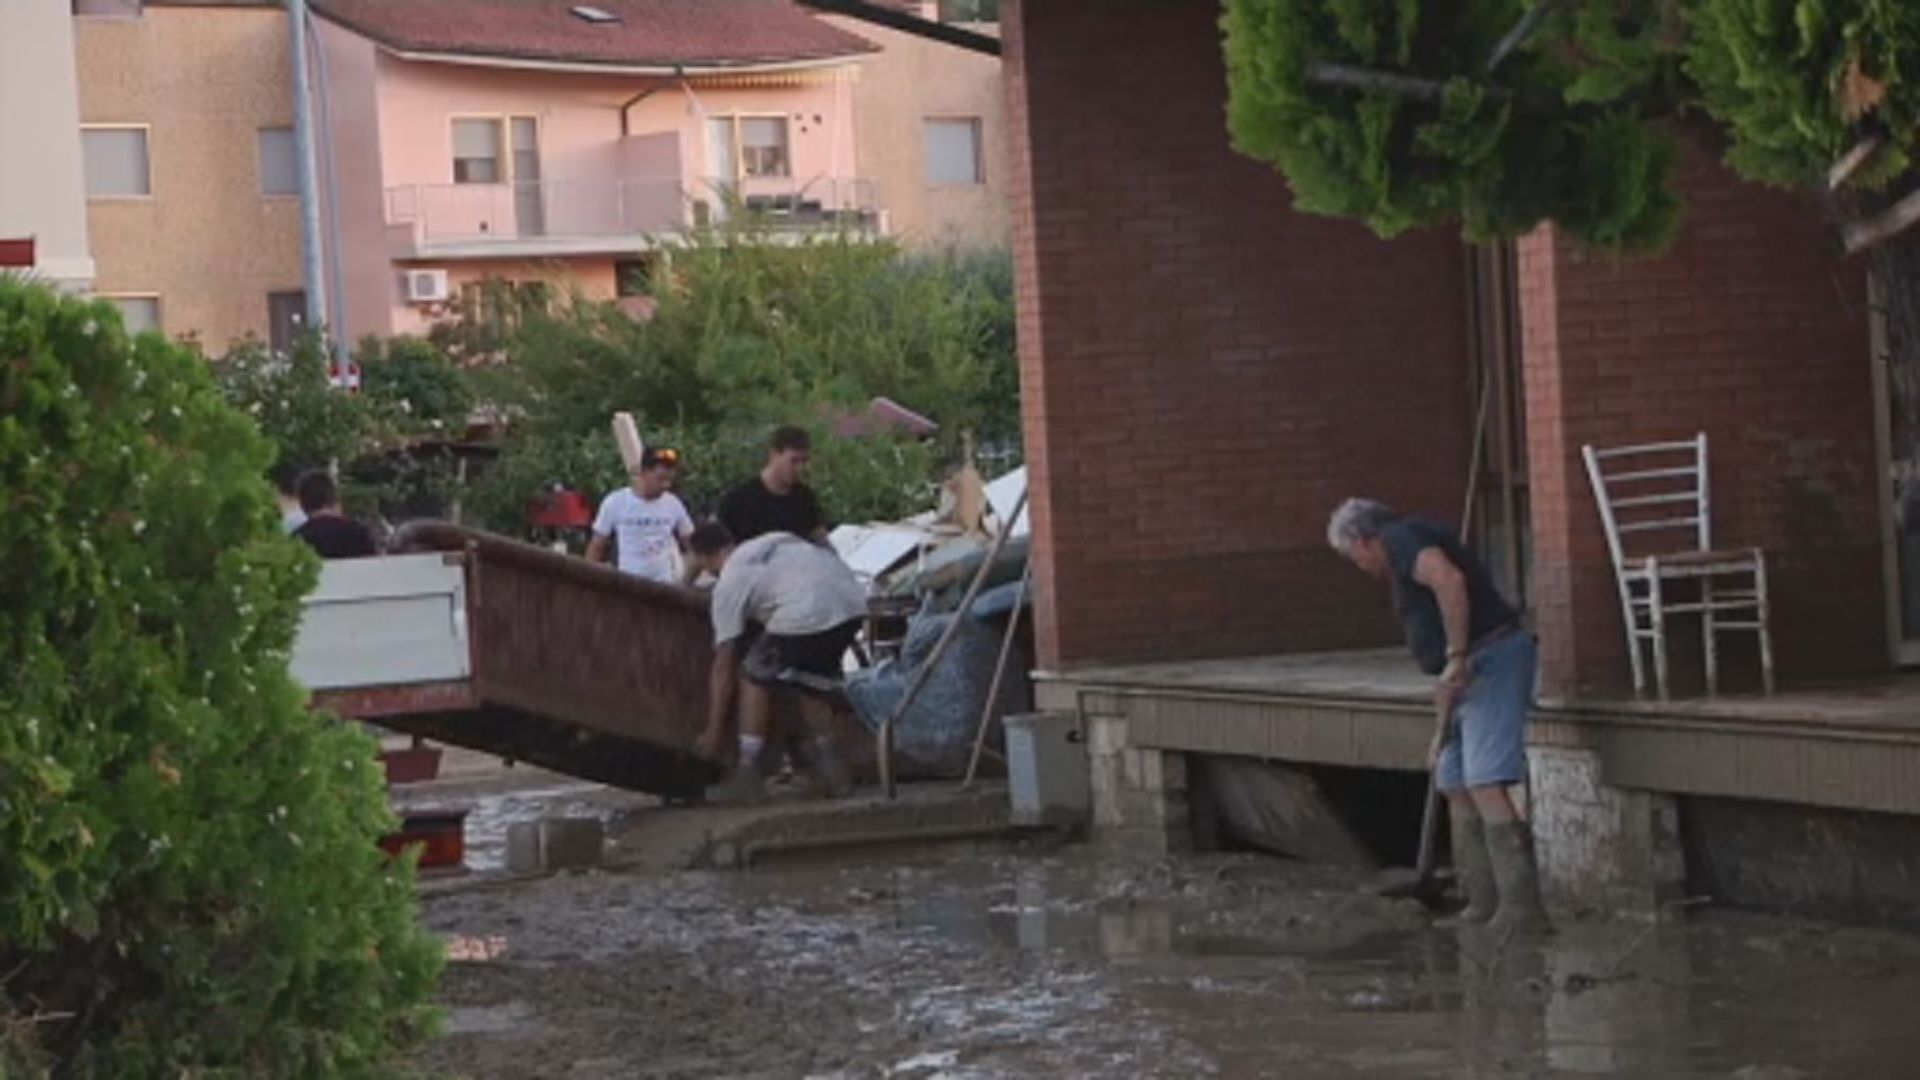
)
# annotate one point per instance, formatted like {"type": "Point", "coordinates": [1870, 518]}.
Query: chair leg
{"type": "Point", "coordinates": [1629, 613]}
{"type": "Point", "coordinates": [1708, 638]}
{"type": "Point", "coordinates": [1659, 612]}
{"type": "Point", "coordinates": [1765, 620]}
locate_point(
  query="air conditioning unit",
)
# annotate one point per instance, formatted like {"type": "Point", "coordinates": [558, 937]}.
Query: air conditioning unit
{"type": "Point", "coordinates": [424, 286]}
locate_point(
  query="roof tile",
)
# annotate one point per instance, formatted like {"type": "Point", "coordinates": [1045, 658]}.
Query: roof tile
{"type": "Point", "coordinates": [648, 33]}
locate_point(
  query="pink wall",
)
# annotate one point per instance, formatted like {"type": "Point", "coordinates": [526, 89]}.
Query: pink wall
{"type": "Point", "coordinates": [591, 276]}
{"type": "Point", "coordinates": [392, 137]}
{"type": "Point", "coordinates": [583, 167]}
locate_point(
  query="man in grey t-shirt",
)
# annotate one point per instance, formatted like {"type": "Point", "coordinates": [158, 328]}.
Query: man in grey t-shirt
{"type": "Point", "coordinates": [809, 607]}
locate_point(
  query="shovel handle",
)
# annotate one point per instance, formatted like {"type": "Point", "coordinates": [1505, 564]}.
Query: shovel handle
{"type": "Point", "coordinates": [1423, 865]}
{"type": "Point", "coordinates": [1429, 817]}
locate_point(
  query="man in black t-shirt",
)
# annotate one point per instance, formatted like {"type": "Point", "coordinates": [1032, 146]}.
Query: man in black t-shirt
{"type": "Point", "coordinates": [1462, 630]}
{"type": "Point", "coordinates": [777, 500]}
{"type": "Point", "coordinates": [328, 530]}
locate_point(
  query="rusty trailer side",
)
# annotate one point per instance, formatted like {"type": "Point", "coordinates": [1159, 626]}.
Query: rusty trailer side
{"type": "Point", "coordinates": [574, 667]}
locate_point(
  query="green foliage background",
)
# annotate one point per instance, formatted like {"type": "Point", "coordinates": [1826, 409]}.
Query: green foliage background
{"type": "Point", "coordinates": [1554, 133]}
{"type": "Point", "coordinates": [190, 883]}
{"type": "Point", "coordinates": [1777, 73]}
{"type": "Point", "coordinates": [1576, 125]}
{"type": "Point", "coordinates": [747, 336]}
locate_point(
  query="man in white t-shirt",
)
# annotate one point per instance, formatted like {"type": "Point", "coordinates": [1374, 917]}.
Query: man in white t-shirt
{"type": "Point", "coordinates": [809, 608]}
{"type": "Point", "coordinates": [648, 523]}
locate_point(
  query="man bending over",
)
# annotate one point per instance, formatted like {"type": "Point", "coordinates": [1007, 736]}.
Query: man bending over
{"type": "Point", "coordinates": [810, 607]}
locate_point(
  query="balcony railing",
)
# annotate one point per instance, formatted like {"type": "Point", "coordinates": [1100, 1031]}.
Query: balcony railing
{"type": "Point", "coordinates": [560, 213]}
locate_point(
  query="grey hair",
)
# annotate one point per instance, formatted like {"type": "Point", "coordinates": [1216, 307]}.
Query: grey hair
{"type": "Point", "coordinates": [1357, 519]}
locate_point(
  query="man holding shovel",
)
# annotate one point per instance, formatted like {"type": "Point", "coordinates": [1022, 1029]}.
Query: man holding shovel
{"type": "Point", "coordinates": [1463, 631]}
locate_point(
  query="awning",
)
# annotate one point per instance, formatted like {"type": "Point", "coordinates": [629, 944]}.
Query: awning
{"type": "Point", "coordinates": [16, 254]}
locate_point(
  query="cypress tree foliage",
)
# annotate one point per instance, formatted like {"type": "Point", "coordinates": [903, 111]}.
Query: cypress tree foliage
{"type": "Point", "coordinates": [1799, 82]}
{"type": "Point", "coordinates": [189, 883]}
{"type": "Point", "coordinates": [1559, 129]}
{"type": "Point", "coordinates": [1569, 127]}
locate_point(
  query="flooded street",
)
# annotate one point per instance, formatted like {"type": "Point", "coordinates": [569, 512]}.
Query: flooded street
{"type": "Point", "coordinates": [1003, 964]}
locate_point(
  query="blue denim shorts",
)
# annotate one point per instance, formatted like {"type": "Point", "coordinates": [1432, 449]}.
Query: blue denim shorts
{"type": "Point", "coordinates": [1489, 744]}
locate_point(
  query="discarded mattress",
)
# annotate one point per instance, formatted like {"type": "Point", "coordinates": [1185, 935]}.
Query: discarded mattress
{"type": "Point", "coordinates": [935, 737]}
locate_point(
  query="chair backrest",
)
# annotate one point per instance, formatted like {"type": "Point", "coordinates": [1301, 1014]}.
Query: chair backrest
{"type": "Point", "coordinates": [1652, 496]}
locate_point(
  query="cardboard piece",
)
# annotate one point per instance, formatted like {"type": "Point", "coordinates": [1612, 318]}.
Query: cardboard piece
{"type": "Point", "coordinates": [626, 435]}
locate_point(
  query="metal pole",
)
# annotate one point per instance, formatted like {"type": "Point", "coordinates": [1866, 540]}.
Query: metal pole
{"type": "Point", "coordinates": [312, 268]}
{"type": "Point", "coordinates": [336, 291]}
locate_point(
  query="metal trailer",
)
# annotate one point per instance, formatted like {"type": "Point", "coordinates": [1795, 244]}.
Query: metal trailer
{"type": "Point", "coordinates": [480, 641]}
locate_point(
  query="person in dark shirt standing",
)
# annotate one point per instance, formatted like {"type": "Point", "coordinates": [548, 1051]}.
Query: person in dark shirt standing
{"type": "Point", "coordinates": [1463, 631]}
{"type": "Point", "coordinates": [777, 500]}
{"type": "Point", "coordinates": [328, 530]}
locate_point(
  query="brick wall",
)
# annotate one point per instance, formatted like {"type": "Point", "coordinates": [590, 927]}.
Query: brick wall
{"type": "Point", "coordinates": [1753, 331]}
{"type": "Point", "coordinates": [1205, 372]}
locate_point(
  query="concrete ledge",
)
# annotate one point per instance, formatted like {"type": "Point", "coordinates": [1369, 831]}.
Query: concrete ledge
{"type": "Point", "coordinates": [1855, 750]}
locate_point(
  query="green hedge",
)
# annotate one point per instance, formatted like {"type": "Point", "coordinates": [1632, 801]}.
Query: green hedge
{"type": "Point", "coordinates": [190, 883]}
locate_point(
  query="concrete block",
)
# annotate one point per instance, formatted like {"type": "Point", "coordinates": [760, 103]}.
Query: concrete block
{"type": "Point", "coordinates": [554, 844]}
{"type": "Point", "coordinates": [1106, 735]}
{"type": "Point", "coordinates": [1602, 850]}
{"type": "Point", "coordinates": [523, 847]}
{"type": "Point", "coordinates": [1163, 770]}
{"type": "Point", "coordinates": [572, 843]}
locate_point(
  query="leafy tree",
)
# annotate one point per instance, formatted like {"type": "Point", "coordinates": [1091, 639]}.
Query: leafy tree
{"type": "Point", "coordinates": [748, 335]}
{"type": "Point", "coordinates": [289, 396]}
{"type": "Point", "coordinates": [190, 883]}
{"type": "Point", "coordinates": [413, 384]}
{"type": "Point", "coordinates": [1798, 83]}
{"type": "Point", "coordinates": [1396, 114]}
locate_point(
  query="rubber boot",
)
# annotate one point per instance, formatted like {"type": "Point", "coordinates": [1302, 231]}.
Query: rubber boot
{"type": "Point", "coordinates": [1511, 846]}
{"type": "Point", "coordinates": [832, 778]}
{"type": "Point", "coordinates": [1472, 866]}
{"type": "Point", "coordinates": [743, 784]}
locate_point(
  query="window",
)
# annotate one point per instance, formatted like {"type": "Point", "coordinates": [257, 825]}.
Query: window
{"type": "Point", "coordinates": [633, 277]}
{"type": "Point", "coordinates": [286, 317]}
{"type": "Point", "coordinates": [953, 152]}
{"type": "Point", "coordinates": [107, 9]}
{"type": "Point", "coordinates": [476, 152]}
{"type": "Point", "coordinates": [116, 162]}
{"type": "Point", "coordinates": [279, 164]}
{"type": "Point", "coordinates": [763, 146]}
{"type": "Point", "coordinates": [139, 313]}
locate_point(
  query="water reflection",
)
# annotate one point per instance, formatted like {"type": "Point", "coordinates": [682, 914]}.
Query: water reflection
{"type": "Point", "coordinates": [1609, 999]}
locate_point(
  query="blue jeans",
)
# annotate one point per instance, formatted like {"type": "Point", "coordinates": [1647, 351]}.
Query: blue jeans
{"type": "Point", "coordinates": [1489, 744]}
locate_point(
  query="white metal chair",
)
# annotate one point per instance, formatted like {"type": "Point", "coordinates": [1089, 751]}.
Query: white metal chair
{"type": "Point", "coordinates": [1655, 489]}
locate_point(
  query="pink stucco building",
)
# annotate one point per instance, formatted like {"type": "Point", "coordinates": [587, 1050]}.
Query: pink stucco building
{"type": "Point", "coordinates": [554, 142]}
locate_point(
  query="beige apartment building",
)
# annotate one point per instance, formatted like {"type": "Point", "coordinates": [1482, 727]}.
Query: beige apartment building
{"type": "Point", "coordinates": [43, 218]}
{"type": "Point", "coordinates": [933, 136]}
{"type": "Point", "coordinates": [186, 122]}
{"type": "Point", "coordinates": [185, 149]}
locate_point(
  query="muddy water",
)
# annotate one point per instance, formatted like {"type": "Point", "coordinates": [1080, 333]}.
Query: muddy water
{"type": "Point", "coordinates": [1005, 965]}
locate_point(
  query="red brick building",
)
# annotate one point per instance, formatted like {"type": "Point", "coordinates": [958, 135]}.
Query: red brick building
{"type": "Point", "coordinates": [1207, 373]}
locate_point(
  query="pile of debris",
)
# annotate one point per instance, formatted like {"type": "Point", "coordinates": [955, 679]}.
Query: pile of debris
{"type": "Point", "coordinates": [948, 637]}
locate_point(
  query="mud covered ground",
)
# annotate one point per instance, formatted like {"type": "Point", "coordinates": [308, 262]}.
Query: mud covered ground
{"type": "Point", "coordinates": [992, 963]}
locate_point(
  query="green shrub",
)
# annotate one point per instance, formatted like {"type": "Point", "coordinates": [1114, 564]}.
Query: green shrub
{"type": "Point", "coordinates": [749, 335]}
{"type": "Point", "coordinates": [413, 384]}
{"type": "Point", "coordinates": [309, 422]}
{"type": "Point", "coordinates": [190, 883]}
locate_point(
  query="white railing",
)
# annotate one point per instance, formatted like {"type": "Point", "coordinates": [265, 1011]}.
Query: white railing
{"type": "Point", "coordinates": [632, 206]}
